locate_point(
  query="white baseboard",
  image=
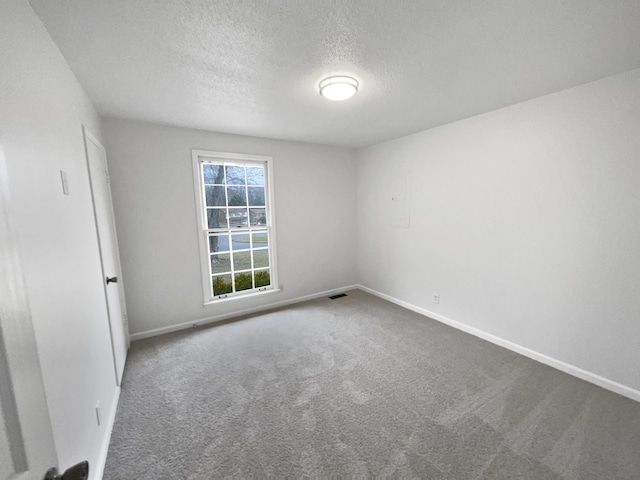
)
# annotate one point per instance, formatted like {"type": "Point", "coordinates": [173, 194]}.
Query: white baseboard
{"type": "Point", "coordinates": [96, 471]}
{"type": "Point", "coordinates": [237, 313]}
{"type": "Point", "coordinates": [545, 359]}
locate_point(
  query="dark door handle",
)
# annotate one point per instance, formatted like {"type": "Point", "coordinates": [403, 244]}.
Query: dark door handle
{"type": "Point", "coordinates": [77, 472]}
{"type": "Point", "coordinates": [112, 280]}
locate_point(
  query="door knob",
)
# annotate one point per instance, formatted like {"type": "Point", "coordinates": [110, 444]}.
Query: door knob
{"type": "Point", "coordinates": [77, 472]}
{"type": "Point", "coordinates": [112, 280]}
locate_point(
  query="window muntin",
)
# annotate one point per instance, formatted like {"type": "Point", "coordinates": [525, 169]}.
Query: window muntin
{"type": "Point", "coordinates": [235, 223]}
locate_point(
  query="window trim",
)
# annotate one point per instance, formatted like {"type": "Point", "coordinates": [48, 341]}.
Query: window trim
{"type": "Point", "coordinates": [203, 230]}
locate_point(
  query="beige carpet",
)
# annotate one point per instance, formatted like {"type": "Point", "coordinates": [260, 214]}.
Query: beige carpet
{"type": "Point", "coordinates": [359, 386]}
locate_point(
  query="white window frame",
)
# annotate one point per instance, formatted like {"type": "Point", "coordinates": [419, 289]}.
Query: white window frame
{"type": "Point", "coordinates": [203, 156]}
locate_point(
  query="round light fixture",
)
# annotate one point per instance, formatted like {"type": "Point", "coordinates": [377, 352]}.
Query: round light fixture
{"type": "Point", "coordinates": [338, 87]}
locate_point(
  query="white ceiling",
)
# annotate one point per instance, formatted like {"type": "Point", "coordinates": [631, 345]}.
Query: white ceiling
{"type": "Point", "coordinates": [252, 67]}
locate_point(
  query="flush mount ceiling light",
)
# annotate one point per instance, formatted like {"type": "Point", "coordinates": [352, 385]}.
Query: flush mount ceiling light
{"type": "Point", "coordinates": [338, 87]}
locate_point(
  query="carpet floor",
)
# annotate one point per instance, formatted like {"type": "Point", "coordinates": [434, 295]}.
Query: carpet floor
{"type": "Point", "coordinates": [358, 386]}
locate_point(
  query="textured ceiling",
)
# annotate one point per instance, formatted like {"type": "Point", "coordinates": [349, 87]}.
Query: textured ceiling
{"type": "Point", "coordinates": [252, 67]}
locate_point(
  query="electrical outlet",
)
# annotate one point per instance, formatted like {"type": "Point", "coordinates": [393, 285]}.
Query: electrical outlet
{"type": "Point", "coordinates": [436, 298]}
{"type": "Point", "coordinates": [98, 412]}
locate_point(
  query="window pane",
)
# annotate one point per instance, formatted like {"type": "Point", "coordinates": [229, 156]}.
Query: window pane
{"type": "Point", "coordinates": [258, 216]}
{"type": "Point", "coordinates": [237, 196]}
{"type": "Point", "coordinates": [255, 176]}
{"type": "Point", "coordinates": [217, 218]}
{"type": "Point", "coordinates": [260, 258]}
{"type": "Point", "coordinates": [237, 217]}
{"type": "Point", "coordinates": [221, 284]}
{"type": "Point", "coordinates": [235, 176]}
{"type": "Point", "coordinates": [256, 196]}
{"type": "Point", "coordinates": [241, 261]}
{"type": "Point", "coordinates": [218, 243]}
{"type": "Point", "coordinates": [215, 196]}
{"type": "Point", "coordinates": [220, 262]}
{"type": "Point", "coordinates": [234, 193]}
{"type": "Point", "coordinates": [262, 278]}
{"type": "Point", "coordinates": [241, 241]}
{"type": "Point", "coordinates": [212, 173]}
{"type": "Point", "coordinates": [243, 281]}
{"type": "Point", "coordinates": [260, 239]}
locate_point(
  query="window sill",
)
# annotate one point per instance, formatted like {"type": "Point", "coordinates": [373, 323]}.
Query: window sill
{"type": "Point", "coordinates": [218, 301]}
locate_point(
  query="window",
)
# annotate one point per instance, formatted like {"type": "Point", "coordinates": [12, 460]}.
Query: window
{"type": "Point", "coordinates": [235, 223]}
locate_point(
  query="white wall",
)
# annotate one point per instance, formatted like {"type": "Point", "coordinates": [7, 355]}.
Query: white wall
{"type": "Point", "coordinates": [42, 110]}
{"type": "Point", "coordinates": [152, 185]}
{"type": "Point", "coordinates": [526, 222]}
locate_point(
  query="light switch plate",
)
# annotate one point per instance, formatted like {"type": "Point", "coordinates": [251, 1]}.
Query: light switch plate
{"type": "Point", "coordinates": [65, 182]}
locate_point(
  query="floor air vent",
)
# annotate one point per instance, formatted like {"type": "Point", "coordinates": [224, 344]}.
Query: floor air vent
{"type": "Point", "coordinates": [340, 295]}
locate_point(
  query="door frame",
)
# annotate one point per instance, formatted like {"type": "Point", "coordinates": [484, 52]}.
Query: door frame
{"type": "Point", "coordinates": [22, 391]}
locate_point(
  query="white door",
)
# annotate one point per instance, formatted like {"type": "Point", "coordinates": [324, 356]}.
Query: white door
{"type": "Point", "coordinates": [105, 224]}
{"type": "Point", "coordinates": [27, 450]}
